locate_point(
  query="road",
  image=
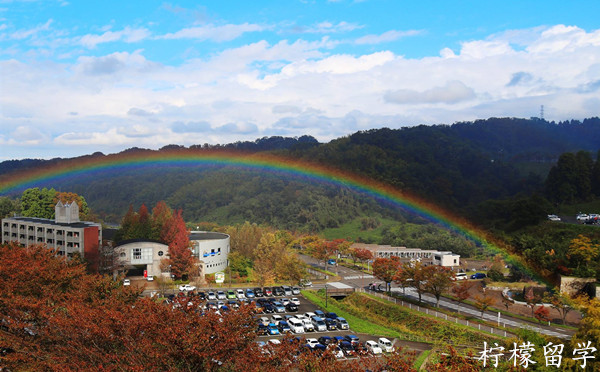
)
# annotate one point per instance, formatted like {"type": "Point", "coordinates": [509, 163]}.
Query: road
{"type": "Point", "coordinates": [358, 279]}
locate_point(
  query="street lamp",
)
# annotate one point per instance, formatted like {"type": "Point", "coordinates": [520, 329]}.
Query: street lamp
{"type": "Point", "coordinates": [326, 296]}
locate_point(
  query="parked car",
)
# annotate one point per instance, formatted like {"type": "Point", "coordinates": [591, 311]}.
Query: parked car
{"type": "Point", "coordinates": [325, 340]}
{"type": "Point", "coordinates": [240, 293]}
{"type": "Point", "coordinates": [295, 301]}
{"type": "Point", "coordinates": [582, 217]}
{"type": "Point", "coordinates": [460, 276]}
{"type": "Point", "coordinates": [331, 315]}
{"type": "Point", "coordinates": [126, 282]}
{"type": "Point", "coordinates": [211, 295]}
{"type": "Point", "coordinates": [320, 314]}
{"type": "Point", "coordinates": [331, 261]}
{"type": "Point", "coordinates": [284, 301]}
{"type": "Point", "coordinates": [312, 342]}
{"type": "Point", "coordinates": [231, 294]}
{"type": "Point", "coordinates": [553, 217]}
{"type": "Point", "coordinates": [276, 319]}
{"type": "Point", "coordinates": [308, 326]}
{"type": "Point", "coordinates": [273, 330]}
{"type": "Point", "coordinates": [187, 288]}
{"type": "Point", "coordinates": [291, 307]}
{"type": "Point", "coordinates": [295, 291]}
{"type": "Point", "coordinates": [278, 291]}
{"type": "Point", "coordinates": [385, 345]}
{"type": "Point", "coordinates": [373, 347]}
{"type": "Point", "coordinates": [296, 325]}
{"type": "Point", "coordinates": [258, 292]}
{"type": "Point", "coordinates": [221, 295]}
{"type": "Point", "coordinates": [267, 292]}
{"type": "Point", "coordinates": [353, 339]}
{"type": "Point", "coordinates": [347, 348]}
{"type": "Point", "coordinates": [331, 324]}
{"type": "Point", "coordinates": [341, 323]}
{"type": "Point", "coordinates": [249, 293]}
{"type": "Point", "coordinates": [478, 276]}
{"type": "Point", "coordinates": [268, 308]}
{"type": "Point", "coordinates": [150, 278]}
{"type": "Point", "coordinates": [284, 327]}
{"type": "Point", "coordinates": [319, 324]}
{"type": "Point", "coordinates": [279, 307]}
{"type": "Point", "coordinates": [305, 283]}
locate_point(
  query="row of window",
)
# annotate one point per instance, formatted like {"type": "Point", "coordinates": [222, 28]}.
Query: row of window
{"type": "Point", "coordinates": [48, 231]}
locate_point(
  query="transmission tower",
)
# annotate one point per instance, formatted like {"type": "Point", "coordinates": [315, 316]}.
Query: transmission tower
{"type": "Point", "coordinates": [542, 112]}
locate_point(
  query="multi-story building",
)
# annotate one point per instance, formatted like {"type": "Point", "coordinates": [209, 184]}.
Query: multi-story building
{"type": "Point", "coordinates": [66, 233]}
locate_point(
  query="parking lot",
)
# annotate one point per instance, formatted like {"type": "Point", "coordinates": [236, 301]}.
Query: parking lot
{"type": "Point", "coordinates": [270, 332]}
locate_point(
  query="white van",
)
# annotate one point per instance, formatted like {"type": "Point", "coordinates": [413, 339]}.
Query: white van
{"type": "Point", "coordinates": [460, 276]}
{"type": "Point", "coordinates": [296, 325]}
{"type": "Point", "coordinates": [385, 345]}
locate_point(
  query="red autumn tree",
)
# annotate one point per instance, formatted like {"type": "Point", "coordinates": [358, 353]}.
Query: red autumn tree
{"type": "Point", "coordinates": [57, 317]}
{"type": "Point", "coordinates": [385, 269]}
{"type": "Point", "coordinates": [542, 314]}
{"type": "Point", "coordinates": [439, 280]}
{"type": "Point", "coordinates": [462, 292]}
{"type": "Point", "coordinates": [176, 236]}
{"type": "Point", "coordinates": [362, 254]}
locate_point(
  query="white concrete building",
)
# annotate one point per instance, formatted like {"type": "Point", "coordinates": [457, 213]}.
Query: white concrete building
{"type": "Point", "coordinates": [432, 257]}
{"type": "Point", "coordinates": [211, 249]}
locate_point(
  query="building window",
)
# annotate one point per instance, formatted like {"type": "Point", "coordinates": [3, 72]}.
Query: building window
{"type": "Point", "coordinates": [160, 253]}
{"type": "Point", "coordinates": [123, 255]}
{"type": "Point", "coordinates": [141, 254]}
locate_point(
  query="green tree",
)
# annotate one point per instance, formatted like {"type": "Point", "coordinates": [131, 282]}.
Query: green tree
{"type": "Point", "coordinates": [8, 206]}
{"type": "Point", "coordinates": [38, 202]}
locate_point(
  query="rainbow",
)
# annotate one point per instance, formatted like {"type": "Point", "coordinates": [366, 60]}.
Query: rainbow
{"type": "Point", "coordinates": [90, 165]}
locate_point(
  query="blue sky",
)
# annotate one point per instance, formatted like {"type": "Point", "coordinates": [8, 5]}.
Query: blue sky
{"type": "Point", "coordinates": [85, 76]}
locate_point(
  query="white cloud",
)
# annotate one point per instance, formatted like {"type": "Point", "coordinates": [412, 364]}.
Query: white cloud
{"type": "Point", "coordinates": [128, 35]}
{"type": "Point", "coordinates": [24, 34]}
{"type": "Point", "coordinates": [294, 87]}
{"type": "Point", "coordinates": [215, 33]}
{"type": "Point", "coordinates": [452, 92]}
{"type": "Point", "coordinates": [386, 37]}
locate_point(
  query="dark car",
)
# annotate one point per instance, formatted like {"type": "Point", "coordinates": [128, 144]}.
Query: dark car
{"type": "Point", "coordinates": [331, 324]}
{"type": "Point", "coordinates": [331, 315]}
{"type": "Point", "coordinates": [325, 340]}
{"type": "Point", "coordinates": [258, 292]}
{"type": "Point", "coordinates": [201, 295]}
{"type": "Point", "coordinates": [278, 291]}
{"type": "Point", "coordinates": [268, 308]}
{"type": "Point", "coordinates": [347, 348]}
{"type": "Point", "coordinates": [262, 330]}
{"type": "Point", "coordinates": [291, 307]}
{"type": "Point", "coordinates": [353, 339]}
{"type": "Point", "coordinates": [284, 327]}
{"type": "Point", "coordinates": [478, 276]}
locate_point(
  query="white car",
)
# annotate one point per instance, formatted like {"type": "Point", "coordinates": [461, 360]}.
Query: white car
{"type": "Point", "coordinates": [385, 345]}
{"type": "Point", "coordinates": [295, 301]}
{"type": "Point", "coordinates": [373, 347]}
{"type": "Point", "coordinates": [296, 325]}
{"type": "Point", "coordinates": [187, 288]}
{"type": "Point", "coordinates": [276, 319]}
{"type": "Point", "coordinates": [126, 282]}
{"type": "Point", "coordinates": [312, 342]}
{"type": "Point", "coordinates": [460, 276]}
{"type": "Point", "coordinates": [582, 217]}
{"type": "Point", "coordinates": [553, 217]}
{"type": "Point", "coordinates": [240, 293]}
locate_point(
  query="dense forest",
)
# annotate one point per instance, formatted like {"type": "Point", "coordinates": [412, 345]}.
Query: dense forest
{"type": "Point", "coordinates": [503, 174]}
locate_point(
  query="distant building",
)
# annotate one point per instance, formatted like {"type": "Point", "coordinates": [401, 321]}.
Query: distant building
{"type": "Point", "coordinates": [430, 257]}
{"type": "Point", "coordinates": [139, 255]}
{"type": "Point", "coordinates": [66, 233]}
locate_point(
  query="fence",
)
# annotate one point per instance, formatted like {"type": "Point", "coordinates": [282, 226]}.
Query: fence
{"type": "Point", "coordinates": [441, 315]}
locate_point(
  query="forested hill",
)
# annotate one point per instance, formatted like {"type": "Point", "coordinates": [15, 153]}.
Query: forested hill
{"type": "Point", "coordinates": [457, 166]}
